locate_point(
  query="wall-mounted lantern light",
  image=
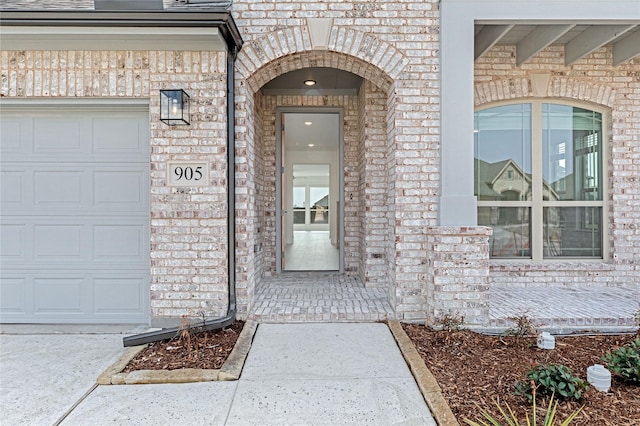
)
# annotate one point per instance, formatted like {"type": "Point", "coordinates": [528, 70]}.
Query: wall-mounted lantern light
{"type": "Point", "coordinates": [174, 107]}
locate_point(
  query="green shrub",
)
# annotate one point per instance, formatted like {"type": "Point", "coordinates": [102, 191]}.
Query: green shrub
{"type": "Point", "coordinates": [549, 379]}
{"type": "Point", "coordinates": [625, 362]}
{"type": "Point", "coordinates": [488, 419]}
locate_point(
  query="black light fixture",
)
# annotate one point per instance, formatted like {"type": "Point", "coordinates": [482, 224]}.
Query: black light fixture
{"type": "Point", "coordinates": [174, 107]}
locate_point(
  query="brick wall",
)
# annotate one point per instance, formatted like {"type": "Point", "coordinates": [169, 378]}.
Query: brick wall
{"type": "Point", "coordinates": [395, 47]}
{"type": "Point", "coordinates": [375, 221]}
{"type": "Point", "coordinates": [457, 274]}
{"type": "Point", "coordinates": [188, 225]}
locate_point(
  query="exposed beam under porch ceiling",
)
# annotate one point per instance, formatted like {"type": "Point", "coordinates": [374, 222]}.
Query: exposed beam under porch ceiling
{"type": "Point", "coordinates": [488, 37]}
{"type": "Point", "coordinates": [538, 39]}
{"type": "Point", "coordinates": [627, 48]}
{"type": "Point", "coordinates": [579, 38]}
{"type": "Point", "coordinates": [591, 39]}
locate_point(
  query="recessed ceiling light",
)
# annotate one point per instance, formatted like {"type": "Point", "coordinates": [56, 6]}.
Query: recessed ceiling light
{"type": "Point", "coordinates": [311, 145]}
{"type": "Point", "coordinates": [309, 82]}
{"type": "Point", "coordinates": [308, 123]}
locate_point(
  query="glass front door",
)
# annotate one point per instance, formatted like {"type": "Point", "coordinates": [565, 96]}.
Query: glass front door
{"type": "Point", "coordinates": [309, 190]}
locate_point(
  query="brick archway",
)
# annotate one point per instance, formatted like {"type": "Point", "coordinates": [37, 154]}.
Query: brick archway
{"type": "Point", "coordinates": [557, 87]}
{"type": "Point", "coordinates": [262, 60]}
{"type": "Point", "coordinates": [348, 49]}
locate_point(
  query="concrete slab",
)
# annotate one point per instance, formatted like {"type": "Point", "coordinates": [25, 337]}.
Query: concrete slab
{"type": "Point", "coordinates": [295, 374]}
{"type": "Point", "coordinates": [43, 376]}
{"type": "Point", "coordinates": [327, 374]}
{"type": "Point", "coordinates": [167, 404]}
{"type": "Point", "coordinates": [323, 350]}
{"type": "Point", "coordinates": [372, 402]}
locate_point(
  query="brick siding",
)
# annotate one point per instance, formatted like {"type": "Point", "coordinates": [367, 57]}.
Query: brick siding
{"type": "Point", "coordinates": [392, 153]}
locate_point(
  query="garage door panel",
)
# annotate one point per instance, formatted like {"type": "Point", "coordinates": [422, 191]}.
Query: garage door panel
{"type": "Point", "coordinates": [62, 188]}
{"type": "Point", "coordinates": [13, 242]}
{"type": "Point", "coordinates": [12, 187]}
{"type": "Point", "coordinates": [99, 243]}
{"type": "Point", "coordinates": [120, 189]}
{"type": "Point", "coordinates": [58, 242]}
{"type": "Point", "coordinates": [90, 136]}
{"type": "Point", "coordinates": [126, 140]}
{"type": "Point", "coordinates": [86, 188]}
{"type": "Point", "coordinates": [117, 295]}
{"type": "Point", "coordinates": [65, 297]}
{"type": "Point", "coordinates": [74, 214]}
{"type": "Point", "coordinates": [12, 292]}
{"type": "Point", "coordinates": [57, 135]}
{"type": "Point", "coordinates": [118, 243]}
{"type": "Point", "coordinates": [59, 295]}
{"type": "Point", "coordinates": [13, 133]}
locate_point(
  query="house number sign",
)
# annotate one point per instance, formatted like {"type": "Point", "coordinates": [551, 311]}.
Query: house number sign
{"type": "Point", "coordinates": [187, 173]}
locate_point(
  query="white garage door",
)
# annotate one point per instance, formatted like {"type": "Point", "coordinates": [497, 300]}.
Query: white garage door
{"type": "Point", "coordinates": [74, 215]}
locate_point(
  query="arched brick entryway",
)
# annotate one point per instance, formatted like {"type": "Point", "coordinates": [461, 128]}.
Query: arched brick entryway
{"type": "Point", "coordinates": [369, 140]}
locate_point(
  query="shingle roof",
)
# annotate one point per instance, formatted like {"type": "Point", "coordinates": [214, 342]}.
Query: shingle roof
{"type": "Point", "coordinates": [485, 174]}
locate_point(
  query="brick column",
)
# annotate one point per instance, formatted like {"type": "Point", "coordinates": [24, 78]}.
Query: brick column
{"type": "Point", "coordinates": [457, 279]}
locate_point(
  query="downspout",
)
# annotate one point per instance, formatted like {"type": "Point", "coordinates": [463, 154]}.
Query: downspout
{"type": "Point", "coordinates": [229, 318]}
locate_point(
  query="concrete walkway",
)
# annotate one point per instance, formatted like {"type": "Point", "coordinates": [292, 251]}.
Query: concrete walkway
{"type": "Point", "coordinates": [295, 374]}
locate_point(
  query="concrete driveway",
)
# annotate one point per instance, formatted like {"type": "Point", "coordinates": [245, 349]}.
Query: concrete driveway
{"type": "Point", "coordinates": [42, 376]}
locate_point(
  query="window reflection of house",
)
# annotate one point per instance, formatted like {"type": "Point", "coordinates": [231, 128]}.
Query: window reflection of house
{"type": "Point", "coordinates": [540, 188]}
{"type": "Point", "coordinates": [506, 181]}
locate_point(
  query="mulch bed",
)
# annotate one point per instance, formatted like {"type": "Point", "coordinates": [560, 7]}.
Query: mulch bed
{"type": "Point", "coordinates": [189, 349]}
{"type": "Point", "coordinates": [474, 368]}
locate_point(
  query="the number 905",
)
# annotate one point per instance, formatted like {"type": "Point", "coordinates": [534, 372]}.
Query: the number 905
{"type": "Point", "coordinates": [188, 173]}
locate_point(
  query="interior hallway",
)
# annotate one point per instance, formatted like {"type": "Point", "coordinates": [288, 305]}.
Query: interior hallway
{"type": "Point", "coordinates": [311, 251]}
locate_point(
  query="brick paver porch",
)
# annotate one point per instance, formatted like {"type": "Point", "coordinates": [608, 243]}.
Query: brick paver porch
{"type": "Point", "coordinates": [334, 297]}
{"type": "Point", "coordinates": [318, 297]}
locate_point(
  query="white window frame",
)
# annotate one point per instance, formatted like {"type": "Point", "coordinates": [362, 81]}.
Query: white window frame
{"type": "Point", "coordinates": [537, 203]}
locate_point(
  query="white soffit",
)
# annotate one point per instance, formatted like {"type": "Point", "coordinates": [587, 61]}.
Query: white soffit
{"type": "Point", "coordinates": [111, 38]}
{"type": "Point", "coordinates": [578, 39]}
{"type": "Point", "coordinates": [580, 26]}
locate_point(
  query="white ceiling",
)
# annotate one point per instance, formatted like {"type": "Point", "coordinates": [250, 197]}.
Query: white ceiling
{"type": "Point", "coordinates": [329, 81]}
{"type": "Point", "coordinates": [323, 132]}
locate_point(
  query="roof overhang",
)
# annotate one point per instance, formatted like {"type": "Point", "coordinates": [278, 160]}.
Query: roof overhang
{"type": "Point", "coordinates": [119, 30]}
{"type": "Point", "coordinates": [579, 38]}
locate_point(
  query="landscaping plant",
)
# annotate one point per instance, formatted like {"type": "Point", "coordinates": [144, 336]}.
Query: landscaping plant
{"type": "Point", "coordinates": [549, 379]}
{"type": "Point", "coordinates": [488, 419]}
{"type": "Point", "coordinates": [523, 326]}
{"type": "Point", "coordinates": [451, 323]}
{"type": "Point", "coordinates": [625, 362]}
{"type": "Point", "coordinates": [185, 333]}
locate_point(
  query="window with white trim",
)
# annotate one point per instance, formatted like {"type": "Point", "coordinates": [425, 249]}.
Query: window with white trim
{"type": "Point", "coordinates": [539, 180]}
